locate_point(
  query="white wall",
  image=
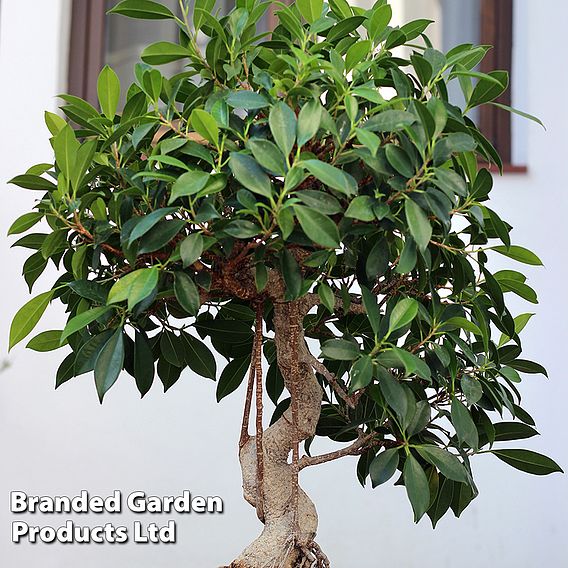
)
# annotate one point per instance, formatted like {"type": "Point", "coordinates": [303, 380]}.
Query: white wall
{"type": "Point", "coordinates": [60, 443]}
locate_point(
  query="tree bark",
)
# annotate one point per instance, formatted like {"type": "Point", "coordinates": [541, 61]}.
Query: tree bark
{"type": "Point", "coordinates": [289, 516]}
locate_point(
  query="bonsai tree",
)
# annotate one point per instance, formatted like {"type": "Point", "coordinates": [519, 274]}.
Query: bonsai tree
{"type": "Point", "coordinates": [308, 204]}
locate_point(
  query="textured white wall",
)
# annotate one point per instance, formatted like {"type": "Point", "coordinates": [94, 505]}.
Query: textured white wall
{"type": "Point", "coordinates": [60, 443]}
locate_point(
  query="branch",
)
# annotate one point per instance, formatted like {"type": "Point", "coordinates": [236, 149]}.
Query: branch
{"type": "Point", "coordinates": [332, 380]}
{"type": "Point", "coordinates": [354, 449]}
{"type": "Point", "coordinates": [257, 363]}
{"type": "Point", "coordinates": [312, 300]}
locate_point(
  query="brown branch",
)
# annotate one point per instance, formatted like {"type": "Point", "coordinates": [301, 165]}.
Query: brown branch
{"type": "Point", "coordinates": [259, 408]}
{"type": "Point", "coordinates": [245, 436]}
{"type": "Point", "coordinates": [331, 379]}
{"type": "Point", "coordinates": [354, 449]}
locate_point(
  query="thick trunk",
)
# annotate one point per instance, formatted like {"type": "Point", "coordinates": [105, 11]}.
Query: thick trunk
{"type": "Point", "coordinates": [289, 516]}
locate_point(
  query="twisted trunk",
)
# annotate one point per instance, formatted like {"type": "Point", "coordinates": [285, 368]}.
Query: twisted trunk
{"type": "Point", "coordinates": [289, 516]}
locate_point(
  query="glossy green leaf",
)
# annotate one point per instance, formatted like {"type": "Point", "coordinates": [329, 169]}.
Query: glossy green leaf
{"type": "Point", "coordinates": [340, 350]}
{"type": "Point", "coordinates": [144, 369]}
{"type": "Point", "coordinates": [205, 125]}
{"type": "Point", "coordinates": [447, 463]}
{"type": "Point", "coordinates": [134, 287]}
{"type": "Point", "coordinates": [519, 254]}
{"type": "Point", "coordinates": [318, 227]}
{"type": "Point", "coordinates": [528, 461]}
{"type": "Point", "coordinates": [310, 9]}
{"type": "Point", "coordinates": [232, 377]}
{"type": "Point", "coordinates": [109, 363]}
{"type": "Point", "coordinates": [331, 176]}
{"type": "Point", "coordinates": [247, 100]}
{"type": "Point", "coordinates": [46, 341]}
{"type": "Point", "coordinates": [163, 52]}
{"type": "Point", "coordinates": [191, 249]}
{"type": "Point", "coordinates": [28, 316]}
{"type": "Point", "coordinates": [198, 357]}
{"type": "Point", "coordinates": [464, 425]}
{"type": "Point", "coordinates": [417, 487]}
{"type": "Point", "coordinates": [418, 223]}
{"type": "Point", "coordinates": [186, 293]}
{"type": "Point", "coordinates": [143, 10]}
{"type": "Point", "coordinates": [247, 172]}
{"type": "Point", "coordinates": [189, 184]}
{"type": "Point", "coordinates": [384, 466]}
{"type": "Point", "coordinates": [282, 121]}
{"type": "Point", "coordinates": [309, 121]}
{"type": "Point", "coordinates": [268, 155]}
{"type": "Point", "coordinates": [108, 89]}
{"type": "Point", "coordinates": [403, 313]}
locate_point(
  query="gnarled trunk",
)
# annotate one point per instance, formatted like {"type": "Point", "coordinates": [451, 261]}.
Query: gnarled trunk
{"type": "Point", "coordinates": [289, 516]}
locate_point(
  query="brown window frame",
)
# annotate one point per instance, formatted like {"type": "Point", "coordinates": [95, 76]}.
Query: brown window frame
{"type": "Point", "coordinates": [497, 30]}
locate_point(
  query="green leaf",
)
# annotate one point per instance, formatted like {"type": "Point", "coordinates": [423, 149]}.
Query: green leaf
{"type": "Point", "coordinates": [189, 184]}
{"type": "Point", "coordinates": [108, 89]}
{"type": "Point", "coordinates": [318, 227]}
{"type": "Point", "coordinates": [164, 52]}
{"type": "Point", "coordinates": [447, 463]}
{"type": "Point", "coordinates": [393, 392]}
{"type": "Point", "coordinates": [24, 222]}
{"type": "Point", "coordinates": [135, 286]}
{"type": "Point", "coordinates": [356, 53]}
{"type": "Point", "coordinates": [198, 357]}
{"type": "Point", "coordinates": [403, 313]}
{"type": "Point", "coordinates": [450, 182]}
{"type": "Point", "coordinates": [507, 431]}
{"type": "Point", "coordinates": [143, 10]}
{"type": "Point", "coordinates": [186, 293]}
{"type": "Point", "coordinates": [384, 466]}
{"type": "Point", "coordinates": [33, 182]}
{"type": "Point", "coordinates": [310, 9]}
{"type": "Point", "coordinates": [247, 100]}
{"type": "Point", "coordinates": [205, 125]}
{"type": "Point", "coordinates": [361, 208]}
{"type": "Point", "coordinates": [247, 172]}
{"type": "Point", "coordinates": [530, 367]}
{"type": "Point", "coordinates": [361, 373]}
{"type": "Point", "coordinates": [464, 425]}
{"type": "Point", "coordinates": [109, 363]}
{"type": "Point", "coordinates": [46, 341]}
{"type": "Point", "coordinates": [147, 222]}
{"type": "Point", "coordinates": [282, 121]}
{"type": "Point", "coordinates": [379, 21]}
{"type": "Point", "coordinates": [472, 389]}
{"type": "Point", "coordinates": [160, 235]}
{"type": "Point", "coordinates": [520, 323]}
{"type": "Point", "coordinates": [519, 112]}
{"type": "Point", "coordinates": [340, 350]}
{"type": "Point", "coordinates": [418, 223]}
{"type": "Point", "coordinates": [488, 89]}
{"type": "Point", "coordinates": [327, 297]}
{"type": "Point", "coordinates": [519, 254]}
{"type": "Point", "coordinates": [86, 358]}
{"type": "Point", "coordinates": [65, 372]}
{"type": "Point", "coordinates": [82, 320]}
{"type": "Point", "coordinates": [390, 121]}
{"type": "Point", "coordinates": [309, 121]}
{"type": "Point", "coordinates": [191, 249]}
{"type": "Point", "coordinates": [268, 155]}
{"type": "Point", "coordinates": [417, 487]}
{"type": "Point", "coordinates": [28, 317]}
{"type": "Point", "coordinates": [144, 370]}
{"type": "Point", "coordinates": [371, 308]}
{"type": "Point", "coordinates": [66, 146]}
{"type": "Point", "coordinates": [465, 324]}
{"type": "Point", "coordinates": [232, 377]}
{"type": "Point", "coordinates": [528, 461]}
{"type": "Point", "coordinates": [331, 176]}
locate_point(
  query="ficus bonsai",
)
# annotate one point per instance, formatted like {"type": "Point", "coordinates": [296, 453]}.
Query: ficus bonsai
{"type": "Point", "coordinates": [305, 202]}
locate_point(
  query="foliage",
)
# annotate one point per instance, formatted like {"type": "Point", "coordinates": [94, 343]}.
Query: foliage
{"type": "Point", "coordinates": [320, 156]}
